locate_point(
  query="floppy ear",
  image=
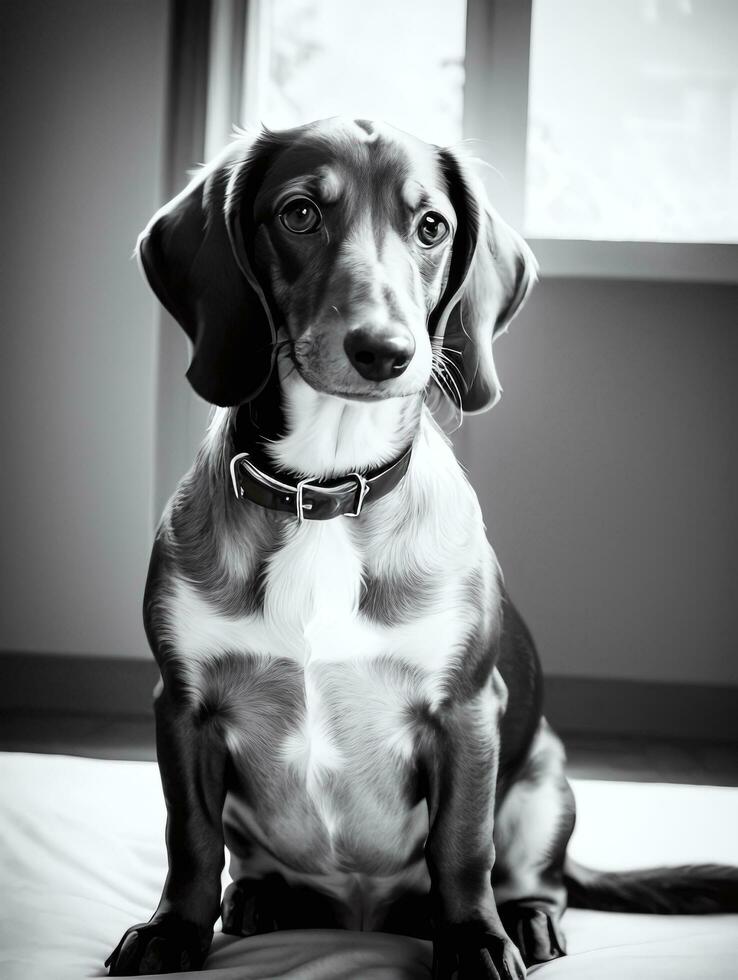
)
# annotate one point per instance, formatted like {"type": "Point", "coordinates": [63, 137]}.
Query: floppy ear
{"type": "Point", "coordinates": [196, 261]}
{"type": "Point", "coordinates": [492, 272]}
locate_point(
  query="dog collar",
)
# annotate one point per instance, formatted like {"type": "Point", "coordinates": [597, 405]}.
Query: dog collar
{"type": "Point", "coordinates": [311, 499]}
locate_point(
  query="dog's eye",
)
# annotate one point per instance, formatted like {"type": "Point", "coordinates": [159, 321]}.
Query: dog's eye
{"type": "Point", "coordinates": [301, 216]}
{"type": "Point", "coordinates": [432, 229]}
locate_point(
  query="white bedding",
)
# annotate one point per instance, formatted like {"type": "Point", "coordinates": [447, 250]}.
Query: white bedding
{"type": "Point", "coordinates": [83, 858]}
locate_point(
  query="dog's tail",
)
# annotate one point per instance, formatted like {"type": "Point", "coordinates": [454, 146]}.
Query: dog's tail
{"type": "Point", "coordinates": [697, 889]}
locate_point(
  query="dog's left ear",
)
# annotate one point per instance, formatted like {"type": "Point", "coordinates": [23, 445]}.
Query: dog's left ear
{"type": "Point", "coordinates": [195, 253]}
{"type": "Point", "coordinates": [492, 271]}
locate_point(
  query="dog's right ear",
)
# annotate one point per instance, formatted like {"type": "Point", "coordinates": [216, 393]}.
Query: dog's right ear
{"type": "Point", "coordinates": [491, 274]}
{"type": "Point", "coordinates": [195, 259]}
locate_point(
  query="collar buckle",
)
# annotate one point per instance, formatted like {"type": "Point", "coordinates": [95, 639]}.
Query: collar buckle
{"type": "Point", "coordinates": [300, 505]}
{"type": "Point", "coordinates": [362, 490]}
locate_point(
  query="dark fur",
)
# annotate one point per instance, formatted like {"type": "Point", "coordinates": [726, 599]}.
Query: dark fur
{"type": "Point", "coordinates": [701, 889]}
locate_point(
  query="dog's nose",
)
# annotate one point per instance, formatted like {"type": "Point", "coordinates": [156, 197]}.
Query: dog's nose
{"type": "Point", "coordinates": [378, 356]}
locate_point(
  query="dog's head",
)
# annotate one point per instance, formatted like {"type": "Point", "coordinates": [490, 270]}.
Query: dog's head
{"type": "Point", "coordinates": [371, 257]}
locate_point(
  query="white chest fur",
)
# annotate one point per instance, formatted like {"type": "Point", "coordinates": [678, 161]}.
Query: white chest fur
{"type": "Point", "coordinates": [312, 590]}
{"type": "Point", "coordinates": [311, 614]}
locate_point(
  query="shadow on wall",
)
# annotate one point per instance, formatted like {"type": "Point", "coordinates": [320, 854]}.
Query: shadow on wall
{"type": "Point", "coordinates": [608, 477]}
{"type": "Point", "coordinates": [82, 109]}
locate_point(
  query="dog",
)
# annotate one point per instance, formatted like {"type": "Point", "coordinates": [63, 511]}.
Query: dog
{"type": "Point", "coordinates": [349, 701]}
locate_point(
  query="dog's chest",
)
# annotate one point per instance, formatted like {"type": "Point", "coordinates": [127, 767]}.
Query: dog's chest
{"type": "Point", "coordinates": [310, 618]}
{"type": "Point", "coordinates": [319, 705]}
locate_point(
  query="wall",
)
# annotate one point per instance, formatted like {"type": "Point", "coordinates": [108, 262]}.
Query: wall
{"type": "Point", "coordinates": [608, 475]}
{"type": "Point", "coordinates": [82, 87]}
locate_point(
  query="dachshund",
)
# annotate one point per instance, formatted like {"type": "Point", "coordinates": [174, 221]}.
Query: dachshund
{"type": "Point", "coordinates": [349, 701]}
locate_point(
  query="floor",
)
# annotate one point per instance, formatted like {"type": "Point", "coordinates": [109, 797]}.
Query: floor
{"type": "Point", "coordinates": [640, 760]}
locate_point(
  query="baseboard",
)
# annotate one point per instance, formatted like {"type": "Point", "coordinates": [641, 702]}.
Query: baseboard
{"type": "Point", "coordinates": [597, 706]}
{"type": "Point", "coordinates": [109, 686]}
{"type": "Point", "coordinates": [116, 686]}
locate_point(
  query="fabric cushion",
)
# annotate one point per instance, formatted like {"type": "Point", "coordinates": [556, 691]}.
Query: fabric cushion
{"type": "Point", "coordinates": [83, 858]}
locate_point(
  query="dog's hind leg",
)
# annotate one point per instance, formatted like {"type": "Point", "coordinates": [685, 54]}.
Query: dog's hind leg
{"type": "Point", "coordinates": [533, 825]}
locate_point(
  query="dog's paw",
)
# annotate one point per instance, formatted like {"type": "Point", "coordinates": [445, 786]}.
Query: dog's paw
{"type": "Point", "coordinates": [246, 910]}
{"type": "Point", "coordinates": [536, 934]}
{"type": "Point", "coordinates": [251, 907]}
{"type": "Point", "coordinates": [467, 952]}
{"type": "Point", "coordinates": [166, 944]}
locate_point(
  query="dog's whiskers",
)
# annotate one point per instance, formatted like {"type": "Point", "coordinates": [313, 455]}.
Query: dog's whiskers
{"type": "Point", "coordinates": [452, 417]}
{"type": "Point", "coordinates": [444, 377]}
{"type": "Point", "coordinates": [444, 356]}
{"type": "Point", "coordinates": [442, 371]}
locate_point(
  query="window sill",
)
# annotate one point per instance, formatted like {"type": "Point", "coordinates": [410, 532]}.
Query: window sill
{"type": "Point", "coordinates": [651, 261]}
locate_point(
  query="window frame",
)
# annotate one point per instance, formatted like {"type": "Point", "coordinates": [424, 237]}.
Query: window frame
{"type": "Point", "coordinates": [498, 36]}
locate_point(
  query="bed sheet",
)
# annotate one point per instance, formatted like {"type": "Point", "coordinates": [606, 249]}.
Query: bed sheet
{"type": "Point", "coordinates": [83, 858]}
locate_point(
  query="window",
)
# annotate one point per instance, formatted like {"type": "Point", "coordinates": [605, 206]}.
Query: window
{"type": "Point", "coordinates": [400, 62]}
{"type": "Point", "coordinates": [633, 121]}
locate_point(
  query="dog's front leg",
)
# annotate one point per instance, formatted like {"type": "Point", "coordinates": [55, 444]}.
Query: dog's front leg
{"type": "Point", "coordinates": [469, 939]}
{"type": "Point", "coordinates": [192, 762]}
